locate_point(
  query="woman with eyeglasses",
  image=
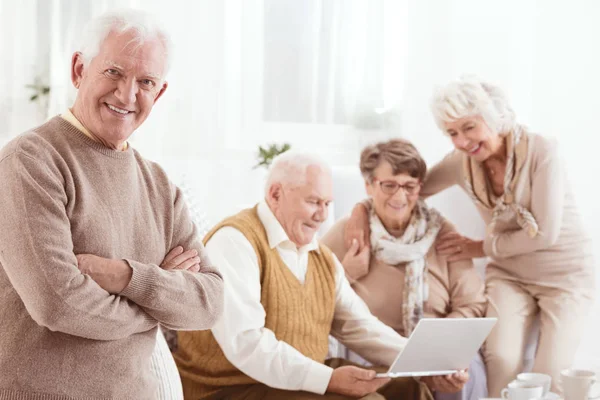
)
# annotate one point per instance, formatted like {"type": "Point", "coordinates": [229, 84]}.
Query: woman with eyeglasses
{"type": "Point", "coordinates": [540, 258]}
{"type": "Point", "coordinates": [400, 275]}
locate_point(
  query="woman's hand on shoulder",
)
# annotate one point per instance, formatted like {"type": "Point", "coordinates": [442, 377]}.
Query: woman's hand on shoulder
{"type": "Point", "coordinates": [357, 227]}
{"type": "Point", "coordinates": [457, 247]}
{"type": "Point", "coordinates": [356, 261]}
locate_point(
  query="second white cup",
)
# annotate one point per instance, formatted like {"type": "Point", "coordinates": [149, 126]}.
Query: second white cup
{"type": "Point", "coordinates": [577, 384]}
{"type": "Point", "coordinates": [518, 390]}
{"type": "Point", "coordinates": [542, 380]}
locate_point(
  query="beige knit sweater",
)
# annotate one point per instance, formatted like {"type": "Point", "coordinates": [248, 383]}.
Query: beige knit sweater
{"type": "Point", "coordinates": [455, 289]}
{"type": "Point", "coordinates": [63, 336]}
{"type": "Point", "coordinates": [561, 255]}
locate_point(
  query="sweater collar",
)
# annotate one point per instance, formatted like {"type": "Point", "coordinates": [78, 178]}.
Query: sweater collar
{"type": "Point", "coordinates": [72, 119]}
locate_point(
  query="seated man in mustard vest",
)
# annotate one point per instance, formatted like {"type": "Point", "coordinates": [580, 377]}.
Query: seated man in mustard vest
{"type": "Point", "coordinates": [284, 295]}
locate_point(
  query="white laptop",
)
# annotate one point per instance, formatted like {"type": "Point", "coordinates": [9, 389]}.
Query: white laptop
{"type": "Point", "coordinates": [441, 346]}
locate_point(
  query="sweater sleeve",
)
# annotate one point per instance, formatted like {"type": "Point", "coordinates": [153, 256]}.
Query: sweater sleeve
{"type": "Point", "coordinates": [548, 189]}
{"type": "Point", "coordinates": [36, 253]}
{"type": "Point", "coordinates": [465, 286]}
{"type": "Point", "coordinates": [443, 175]}
{"type": "Point", "coordinates": [358, 329]}
{"type": "Point", "coordinates": [180, 300]}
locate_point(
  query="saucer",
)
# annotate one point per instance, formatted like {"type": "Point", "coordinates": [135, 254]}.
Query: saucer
{"type": "Point", "coordinates": [551, 396]}
{"type": "Point", "coordinates": [548, 396]}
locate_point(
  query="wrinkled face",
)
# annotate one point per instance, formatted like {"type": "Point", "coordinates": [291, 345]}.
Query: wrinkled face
{"type": "Point", "coordinates": [301, 209]}
{"type": "Point", "coordinates": [394, 196]}
{"type": "Point", "coordinates": [118, 87]}
{"type": "Point", "coordinates": [473, 136]}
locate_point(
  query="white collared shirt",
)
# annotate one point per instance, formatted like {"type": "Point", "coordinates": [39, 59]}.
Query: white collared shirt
{"type": "Point", "coordinates": [254, 349]}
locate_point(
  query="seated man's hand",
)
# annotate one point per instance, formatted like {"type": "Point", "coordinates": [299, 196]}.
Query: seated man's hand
{"type": "Point", "coordinates": [177, 259]}
{"type": "Point", "coordinates": [354, 381]}
{"type": "Point", "coordinates": [112, 275]}
{"type": "Point", "coordinates": [447, 383]}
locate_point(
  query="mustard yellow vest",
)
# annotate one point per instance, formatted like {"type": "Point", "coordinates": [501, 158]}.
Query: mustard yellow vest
{"type": "Point", "coordinates": [298, 314]}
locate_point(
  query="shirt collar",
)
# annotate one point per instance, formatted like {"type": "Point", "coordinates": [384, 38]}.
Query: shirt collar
{"type": "Point", "coordinates": [275, 232]}
{"type": "Point", "coordinates": [72, 119]}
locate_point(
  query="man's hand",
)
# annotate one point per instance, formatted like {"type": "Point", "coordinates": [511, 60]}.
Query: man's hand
{"type": "Point", "coordinates": [112, 275]}
{"type": "Point", "coordinates": [177, 259]}
{"type": "Point", "coordinates": [356, 262]}
{"type": "Point", "coordinates": [447, 383]}
{"type": "Point", "coordinates": [357, 227]}
{"type": "Point", "coordinates": [354, 381]}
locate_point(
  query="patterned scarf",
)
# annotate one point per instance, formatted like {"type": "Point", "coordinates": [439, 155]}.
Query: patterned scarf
{"type": "Point", "coordinates": [408, 251]}
{"type": "Point", "coordinates": [475, 180]}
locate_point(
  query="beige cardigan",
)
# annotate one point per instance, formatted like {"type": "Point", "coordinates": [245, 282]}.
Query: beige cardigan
{"type": "Point", "coordinates": [455, 289]}
{"type": "Point", "coordinates": [561, 254]}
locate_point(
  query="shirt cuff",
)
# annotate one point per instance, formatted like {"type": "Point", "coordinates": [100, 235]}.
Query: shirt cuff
{"type": "Point", "coordinates": [317, 379]}
{"type": "Point", "coordinates": [489, 245]}
{"type": "Point", "coordinates": [351, 280]}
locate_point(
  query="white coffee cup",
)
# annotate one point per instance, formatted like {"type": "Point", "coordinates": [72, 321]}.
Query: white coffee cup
{"type": "Point", "coordinates": [542, 380]}
{"type": "Point", "coordinates": [577, 384]}
{"type": "Point", "coordinates": [518, 390]}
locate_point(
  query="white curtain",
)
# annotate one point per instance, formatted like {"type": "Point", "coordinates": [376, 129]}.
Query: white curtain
{"type": "Point", "coordinates": [326, 64]}
{"type": "Point", "coordinates": [19, 56]}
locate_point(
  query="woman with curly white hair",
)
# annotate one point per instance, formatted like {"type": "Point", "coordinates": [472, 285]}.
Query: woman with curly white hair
{"type": "Point", "coordinates": [541, 262]}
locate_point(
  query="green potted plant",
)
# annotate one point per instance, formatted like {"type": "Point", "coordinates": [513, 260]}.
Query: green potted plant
{"type": "Point", "coordinates": [266, 154]}
{"type": "Point", "coordinates": [39, 89]}
{"type": "Point", "coordinates": [40, 95]}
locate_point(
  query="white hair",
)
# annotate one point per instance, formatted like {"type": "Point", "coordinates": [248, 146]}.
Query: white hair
{"type": "Point", "coordinates": [290, 168]}
{"type": "Point", "coordinates": [469, 96]}
{"type": "Point", "coordinates": [142, 23]}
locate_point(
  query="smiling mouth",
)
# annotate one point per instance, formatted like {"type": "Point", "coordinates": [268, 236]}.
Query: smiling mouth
{"type": "Point", "coordinates": [397, 208]}
{"type": "Point", "coordinates": [118, 110]}
{"type": "Point", "coordinates": [474, 149]}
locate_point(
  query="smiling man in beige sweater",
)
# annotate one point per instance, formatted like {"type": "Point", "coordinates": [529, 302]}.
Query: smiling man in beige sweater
{"type": "Point", "coordinates": [85, 225]}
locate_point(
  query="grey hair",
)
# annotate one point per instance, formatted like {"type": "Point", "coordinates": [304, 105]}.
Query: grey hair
{"type": "Point", "coordinates": [469, 96]}
{"type": "Point", "coordinates": [290, 167]}
{"type": "Point", "coordinates": [142, 23]}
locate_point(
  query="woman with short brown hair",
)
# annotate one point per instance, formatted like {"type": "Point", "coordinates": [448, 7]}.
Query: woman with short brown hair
{"type": "Point", "coordinates": [400, 275]}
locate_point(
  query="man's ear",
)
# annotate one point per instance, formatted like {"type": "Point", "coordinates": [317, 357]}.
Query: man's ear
{"type": "Point", "coordinates": [77, 69]}
{"type": "Point", "coordinates": [162, 90]}
{"type": "Point", "coordinates": [274, 192]}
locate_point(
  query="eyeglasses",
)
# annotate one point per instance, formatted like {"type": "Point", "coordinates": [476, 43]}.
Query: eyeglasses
{"type": "Point", "coordinates": [391, 187]}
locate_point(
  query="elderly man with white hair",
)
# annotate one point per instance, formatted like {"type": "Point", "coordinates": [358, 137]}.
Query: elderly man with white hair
{"type": "Point", "coordinates": [97, 247]}
{"type": "Point", "coordinates": [285, 294]}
